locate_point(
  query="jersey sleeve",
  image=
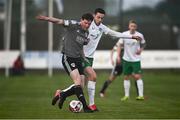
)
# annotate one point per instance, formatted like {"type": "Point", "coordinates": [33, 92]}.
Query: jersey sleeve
{"type": "Point", "coordinates": [143, 41]}
{"type": "Point", "coordinates": [119, 42]}
{"type": "Point", "coordinates": [105, 29]}
{"type": "Point", "coordinates": [118, 34]}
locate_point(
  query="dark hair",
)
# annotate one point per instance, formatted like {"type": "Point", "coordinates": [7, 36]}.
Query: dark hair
{"type": "Point", "coordinates": [132, 21]}
{"type": "Point", "coordinates": [87, 16]}
{"type": "Point", "coordinates": [99, 10]}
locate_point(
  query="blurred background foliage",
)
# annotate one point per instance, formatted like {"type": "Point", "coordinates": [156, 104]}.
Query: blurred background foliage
{"type": "Point", "coordinates": [158, 20]}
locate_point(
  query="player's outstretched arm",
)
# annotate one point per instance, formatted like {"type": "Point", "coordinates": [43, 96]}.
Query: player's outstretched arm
{"type": "Point", "coordinates": [121, 35]}
{"type": "Point", "coordinates": [118, 34]}
{"type": "Point", "coordinates": [50, 19]}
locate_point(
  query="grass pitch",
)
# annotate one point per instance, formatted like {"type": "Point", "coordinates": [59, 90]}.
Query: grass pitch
{"type": "Point", "coordinates": [30, 97]}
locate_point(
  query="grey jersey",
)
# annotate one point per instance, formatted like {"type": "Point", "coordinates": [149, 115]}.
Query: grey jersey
{"type": "Point", "coordinates": [74, 39]}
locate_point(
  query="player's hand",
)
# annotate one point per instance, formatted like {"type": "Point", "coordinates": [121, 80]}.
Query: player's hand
{"type": "Point", "coordinates": [137, 38]}
{"type": "Point", "coordinates": [42, 17]}
{"type": "Point", "coordinates": [139, 52]}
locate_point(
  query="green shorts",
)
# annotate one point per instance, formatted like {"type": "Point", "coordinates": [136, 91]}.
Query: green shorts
{"type": "Point", "coordinates": [86, 64]}
{"type": "Point", "coordinates": [131, 67]}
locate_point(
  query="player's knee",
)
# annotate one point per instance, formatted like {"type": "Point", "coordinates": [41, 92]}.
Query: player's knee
{"type": "Point", "coordinates": [93, 76]}
{"type": "Point", "coordinates": [137, 76]}
{"type": "Point", "coordinates": [77, 81]}
{"type": "Point", "coordinates": [112, 77]}
{"type": "Point", "coordinates": [126, 77]}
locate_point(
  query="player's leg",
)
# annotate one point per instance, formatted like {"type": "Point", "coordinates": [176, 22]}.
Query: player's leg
{"type": "Point", "coordinates": [135, 83]}
{"type": "Point", "coordinates": [116, 71]}
{"type": "Point", "coordinates": [76, 89]}
{"type": "Point", "coordinates": [140, 86]}
{"type": "Point", "coordinates": [61, 95]}
{"type": "Point", "coordinates": [127, 86]}
{"type": "Point", "coordinates": [137, 76]}
{"type": "Point", "coordinates": [71, 90]}
{"type": "Point", "coordinates": [127, 70]}
{"type": "Point", "coordinates": [66, 62]}
{"type": "Point", "coordinates": [82, 98]}
{"type": "Point", "coordinates": [74, 69]}
{"type": "Point", "coordinates": [91, 82]}
{"type": "Point", "coordinates": [91, 85]}
{"type": "Point", "coordinates": [111, 78]}
{"type": "Point", "coordinates": [83, 81]}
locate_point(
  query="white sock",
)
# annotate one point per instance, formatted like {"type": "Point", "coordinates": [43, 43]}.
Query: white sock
{"type": "Point", "coordinates": [140, 87]}
{"type": "Point", "coordinates": [126, 87]}
{"type": "Point", "coordinates": [91, 91]}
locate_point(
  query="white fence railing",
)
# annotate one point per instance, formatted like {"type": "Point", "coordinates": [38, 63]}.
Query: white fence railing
{"type": "Point", "coordinates": [39, 60]}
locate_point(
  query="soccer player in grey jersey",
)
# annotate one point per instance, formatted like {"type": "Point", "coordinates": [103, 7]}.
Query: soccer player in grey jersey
{"type": "Point", "coordinates": [75, 37]}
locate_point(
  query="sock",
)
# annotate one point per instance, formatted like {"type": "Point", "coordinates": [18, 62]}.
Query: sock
{"type": "Point", "coordinates": [105, 85]}
{"type": "Point", "coordinates": [69, 91]}
{"type": "Point", "coordinates": [140, 87]}
{"type": "Point", "coordinates": [80, 95]}
{"type": "Point", "coordinates": [91, 91]}
{"type": "Point", "coordinates": [126, 87]}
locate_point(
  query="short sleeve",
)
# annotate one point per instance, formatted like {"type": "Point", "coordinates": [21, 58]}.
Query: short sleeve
{"type": "Point", "coordinates": [120, 42]}
{"type": "Point", "coordinates": [105, 29]}
{"type": "Point", "coordinates": [143, 40]}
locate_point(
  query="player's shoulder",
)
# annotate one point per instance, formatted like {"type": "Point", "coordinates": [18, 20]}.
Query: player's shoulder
{"type": "Point", "coordinates": [102, 26]}
{"type": "Point", "coordinates": [93, 25]}
{"type": "Point", "coordinates": [126, 32]}
{"type": "Point", "coordinates": [139, 33]}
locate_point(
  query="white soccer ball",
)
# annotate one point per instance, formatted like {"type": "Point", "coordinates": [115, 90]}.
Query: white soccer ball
{"type": "Point", "coordinates": [75, 106]}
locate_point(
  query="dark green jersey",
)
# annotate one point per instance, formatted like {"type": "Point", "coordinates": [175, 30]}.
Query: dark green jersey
{"type": "Point", "coordinates": [74, 39]}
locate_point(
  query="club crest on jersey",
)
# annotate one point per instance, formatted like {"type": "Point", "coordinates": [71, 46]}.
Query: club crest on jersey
{"type": "Point", "coordinates": [73, 65]}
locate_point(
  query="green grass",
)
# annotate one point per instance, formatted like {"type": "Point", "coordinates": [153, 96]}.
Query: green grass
{"type": "Point", "coordinates": [30, 97]}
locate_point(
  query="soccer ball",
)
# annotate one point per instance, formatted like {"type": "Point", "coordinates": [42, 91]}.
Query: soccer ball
{"type": "Point", "coordinates": [75, 106]}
